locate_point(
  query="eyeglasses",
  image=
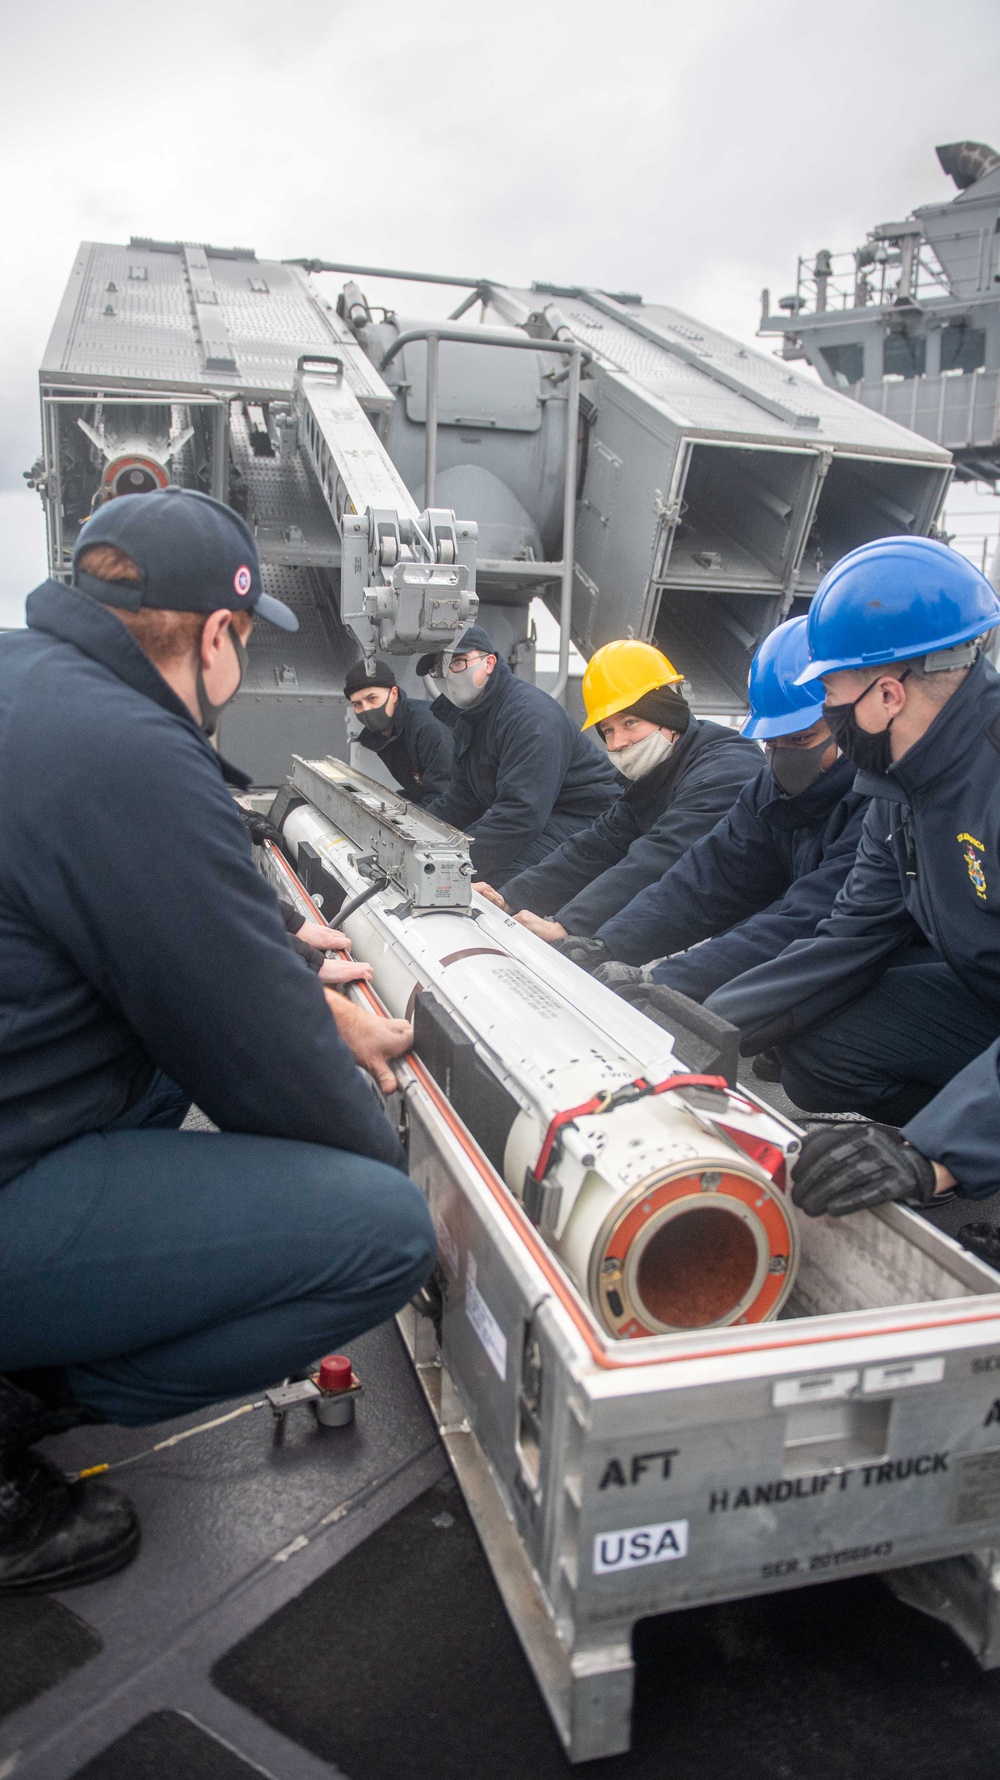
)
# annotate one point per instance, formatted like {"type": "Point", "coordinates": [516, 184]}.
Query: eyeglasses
{"type": "Point", "coordinates": [457, 664]}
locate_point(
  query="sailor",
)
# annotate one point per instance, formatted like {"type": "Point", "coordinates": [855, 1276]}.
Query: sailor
{"type": "Point", "coordinates": [683, 774]}
{"type": "Point", "coordinates": [524, 777]}
{"type": "Point", "coordinates": [770, 870]}
{"type": "Point", "coordinates": [145, 1271]}
{"type": "Point", "coordinates": [892, 1008]}
{"type": "Point", "coordinates": [415, 747]}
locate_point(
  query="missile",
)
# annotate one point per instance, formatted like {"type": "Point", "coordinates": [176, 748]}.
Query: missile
{"type": "Point", "coordinates": [659, 1190]}
{"type": "Point", "coordinates": [135, 461]}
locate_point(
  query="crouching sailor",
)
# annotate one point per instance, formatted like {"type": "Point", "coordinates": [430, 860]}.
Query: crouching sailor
{"type": "Point", "coordinates": [413, 745]}
{"type": "Point", "coordinates": [683, 774]}
{"type": "Point", "coordinates": [771, 869]}
{"type": "Point", "coordinates": [524, 777]}
{"type": "Point", "coordinates": [892, 1008]}
{"type": "Point", "coordinates": [146, 1271]}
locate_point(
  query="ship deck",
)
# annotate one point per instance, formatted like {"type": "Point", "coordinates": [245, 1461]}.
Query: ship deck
{"type": "Point", "coordinates": [314, 1602]}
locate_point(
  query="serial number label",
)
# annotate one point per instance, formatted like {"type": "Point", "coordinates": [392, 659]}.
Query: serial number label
{"type": "Point", "coordinates": [977, 1487]}
{"type": "Point", "coordinates": [825, 1560]}
{"type": "Point", "coordinates": [528, 991]}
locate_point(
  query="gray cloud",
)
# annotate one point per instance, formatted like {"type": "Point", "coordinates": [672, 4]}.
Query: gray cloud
{"type": "Point", "coordinates": [688, 153]}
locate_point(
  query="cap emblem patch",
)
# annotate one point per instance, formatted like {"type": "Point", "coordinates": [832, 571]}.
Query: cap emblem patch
{"type": "Point", "coordinates": [242, 580]}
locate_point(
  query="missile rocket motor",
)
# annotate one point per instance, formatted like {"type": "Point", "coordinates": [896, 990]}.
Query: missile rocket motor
{"type": "Point", "coordinates": [661, 1192]}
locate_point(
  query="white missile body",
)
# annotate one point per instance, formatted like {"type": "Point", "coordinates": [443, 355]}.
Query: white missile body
{"type": "Point", "coordinates": [666, 1209]}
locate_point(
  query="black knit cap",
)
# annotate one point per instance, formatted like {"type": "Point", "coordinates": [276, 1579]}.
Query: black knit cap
{"type": "Point", "coordinates": [664, 706]}
{"type": "Point", "coordinates": [359, 679]}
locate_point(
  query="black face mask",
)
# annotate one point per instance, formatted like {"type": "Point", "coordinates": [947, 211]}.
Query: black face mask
{"type": "Point", "coordinates": [795, 769]}
{"type": "Point", "coordinates": [378, 720]}
{"type": "Point", "coordinates": [210, 713]}
{"type": "Point", "coordinates": [869, 753]}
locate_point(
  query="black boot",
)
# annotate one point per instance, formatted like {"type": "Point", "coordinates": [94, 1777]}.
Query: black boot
{"type": "Point", "coordinates": [53, 1534]}
{"type": "Point", "coordinates": [767, 1065]}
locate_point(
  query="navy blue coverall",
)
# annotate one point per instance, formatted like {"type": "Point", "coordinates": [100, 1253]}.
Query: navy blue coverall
{"type": "Point", "coordinates": [140, 948]}
{"type": "Point", "coordinates": [763, 877]}
{"type": "Point", "coordinates": [418, 750]}
{"type": "Point", "coordinates": [524, 777]}
{"type": "Point", "coordinates": [601, 868]}
{"type": "Point", "coordinates": [897, 994]}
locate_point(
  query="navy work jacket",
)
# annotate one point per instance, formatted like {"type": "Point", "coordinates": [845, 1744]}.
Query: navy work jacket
{"type": "Point", "coordinates": [764, 876]}
{"type": "Point", "coordinates": [418, 750]}
{"type": "Point", "coordinates": [598, 871]}
{"type": "Point", "coordinates": [519, 760]}
{"type": "Point", "coordinates": [135, 929]}
{"type": "Point", "coordinates": [928, 868]}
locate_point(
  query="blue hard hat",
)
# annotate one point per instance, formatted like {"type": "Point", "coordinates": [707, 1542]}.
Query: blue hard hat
{"type": "Point", "coordinates": [778, 705]}
{"type": "Point", "coordinates": [895, 599]}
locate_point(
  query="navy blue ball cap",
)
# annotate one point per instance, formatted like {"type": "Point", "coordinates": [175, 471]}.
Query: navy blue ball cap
{"type": "Point", "coordinates": [474, 638]}
{"type": "Point", "coordinates": [194, 554]}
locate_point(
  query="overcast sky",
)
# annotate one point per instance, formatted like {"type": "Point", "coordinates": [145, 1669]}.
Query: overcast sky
{"type": "Point", "coordinates": [689, 152]}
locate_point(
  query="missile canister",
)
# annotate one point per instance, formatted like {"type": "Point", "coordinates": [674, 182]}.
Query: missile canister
{"type": "Point", "coordinates": [662, 1195]}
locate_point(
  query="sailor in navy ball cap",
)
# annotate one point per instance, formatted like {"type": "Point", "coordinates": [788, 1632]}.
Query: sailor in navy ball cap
{"type": "Point", "coordinates": [193, 553]}
{"type": "Point", "coordinates": [144, 964]}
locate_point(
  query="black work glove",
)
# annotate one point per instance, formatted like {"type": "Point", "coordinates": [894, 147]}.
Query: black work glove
{"type": "Point", "coordinates": [843, 1168]}
{"type": "Point", "coordinates": [587, 953]}
{"type": "Point", "coordinates": [614, 973]}
{"type": "Point", "coordinates": [260, 829]}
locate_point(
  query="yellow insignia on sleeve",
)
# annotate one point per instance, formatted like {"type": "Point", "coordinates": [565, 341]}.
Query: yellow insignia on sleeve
{"type": "Point", "coordinates": [974, 863]}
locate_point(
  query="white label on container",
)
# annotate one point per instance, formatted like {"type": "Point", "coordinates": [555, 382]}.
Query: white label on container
{"type": "Point", "coordinates": [484, 1322]}
{"type": "Point", "coordinates": [818, 1387]}
{"type": "Point", "coordinates": [635, 1546]}
{"type": "Point", "coordinates": [900, 1373]}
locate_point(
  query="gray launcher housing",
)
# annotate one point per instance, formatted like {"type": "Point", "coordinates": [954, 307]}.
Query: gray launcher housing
{"type": "Point", "coordinates": [714, 485]}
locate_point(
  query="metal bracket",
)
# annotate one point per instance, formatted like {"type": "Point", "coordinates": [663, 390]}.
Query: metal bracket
{"type": "Point", "coordinates": [542, 1202]}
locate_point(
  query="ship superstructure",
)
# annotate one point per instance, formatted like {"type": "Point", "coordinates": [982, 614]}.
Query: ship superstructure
{"type": "Point", "coordinates": [909, 322]}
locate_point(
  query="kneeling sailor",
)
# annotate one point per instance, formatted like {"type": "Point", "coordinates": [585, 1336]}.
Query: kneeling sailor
{"type": "Point", "coordinates": [416, 748]}
{"type": "Point", "coordinates": [148, 1271]}
{"type": "Point", "coordinates": [524, 777]}
{"type": "Point", "coordinates": [892, 1008]}
{"type": "Point", "coordinates": [771, 869]}
{"type": "Point", "coordinates": [683, 774]}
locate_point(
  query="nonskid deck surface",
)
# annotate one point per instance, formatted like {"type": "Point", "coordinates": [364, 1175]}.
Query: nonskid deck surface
{"type": "Point", "coordinates": [381, 1650]}
{"type": "Point", "coordinates": [236, 1521]}
{"type": "Point", "coordinates": [318, 1604]}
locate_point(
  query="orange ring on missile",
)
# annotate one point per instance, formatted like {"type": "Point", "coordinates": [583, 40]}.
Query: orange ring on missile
{"type": "Point", "coordinates": [613, 1259]}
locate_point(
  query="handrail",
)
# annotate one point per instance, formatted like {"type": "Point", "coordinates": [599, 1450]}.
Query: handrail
{"type": "Point", "coordinates": [481, 337]}
{"type": "Point", "coordinates": [386, 272]}
{"type": "Point", "coordinates": [433, 333]}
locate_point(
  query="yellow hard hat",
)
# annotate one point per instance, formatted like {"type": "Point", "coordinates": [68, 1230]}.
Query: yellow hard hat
{"type": "Point", "coordinates": [619, 673]}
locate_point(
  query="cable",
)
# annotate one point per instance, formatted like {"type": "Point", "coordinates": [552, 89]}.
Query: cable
{"type": "Point", "coordinates": [172, 1440]}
